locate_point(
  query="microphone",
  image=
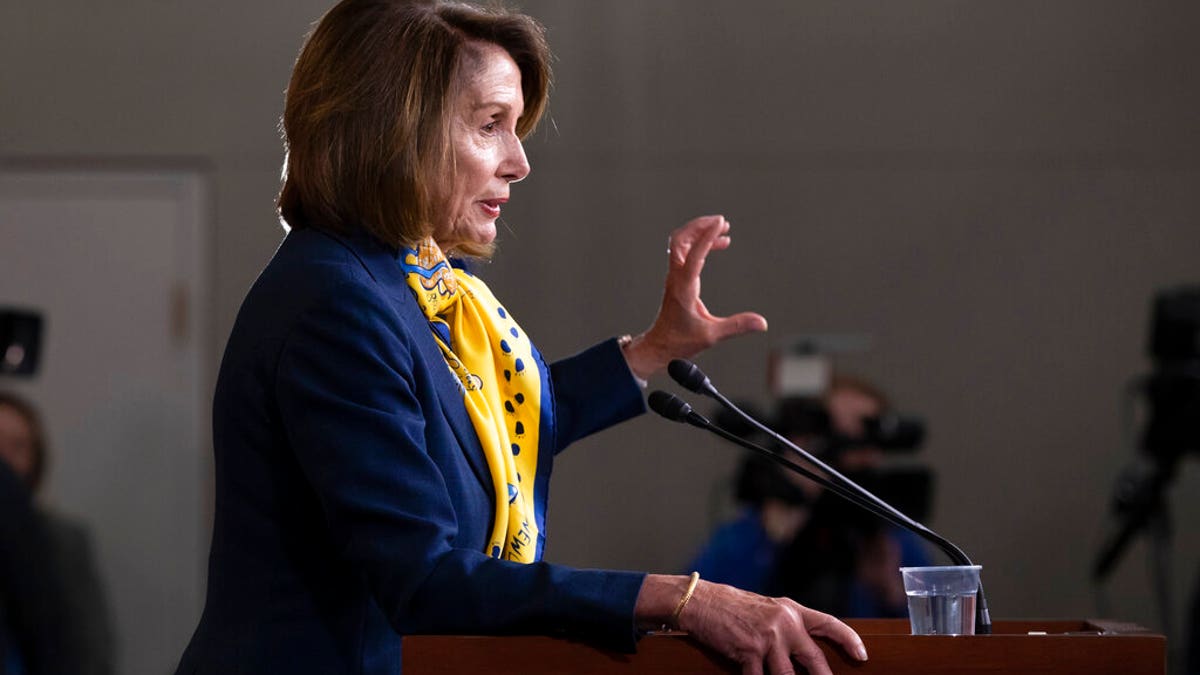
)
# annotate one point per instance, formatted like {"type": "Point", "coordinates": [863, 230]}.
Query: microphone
{"type": "Point", "coordinates": [676, 409]}
{"type": "Point", "coordinates": [689, 376]}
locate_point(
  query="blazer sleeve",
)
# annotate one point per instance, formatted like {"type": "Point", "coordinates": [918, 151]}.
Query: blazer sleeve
{"type": "Point", "coordinates": [593, 390]}
{"type": "Point", "coordinates": [352, 412]}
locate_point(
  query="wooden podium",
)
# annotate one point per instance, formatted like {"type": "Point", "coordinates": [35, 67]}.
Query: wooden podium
{"type": "Point", "coordinates": [1023, 647]}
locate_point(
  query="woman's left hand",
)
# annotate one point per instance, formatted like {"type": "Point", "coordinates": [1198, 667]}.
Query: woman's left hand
{"type": "Point", "coordinates": [684, 327]}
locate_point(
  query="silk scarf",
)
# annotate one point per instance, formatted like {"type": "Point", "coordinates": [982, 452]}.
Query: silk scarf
{"type": "Point", "coordinates": [494, 365]}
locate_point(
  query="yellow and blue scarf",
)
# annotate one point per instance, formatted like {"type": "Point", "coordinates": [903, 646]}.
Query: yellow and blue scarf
{"type": "Point", "coordinates": [501, 385]}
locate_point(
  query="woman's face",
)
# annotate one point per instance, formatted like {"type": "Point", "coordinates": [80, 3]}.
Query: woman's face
{"type": "Point", "coordinates": [16, 442]}
{"type": "Point", "coordinates": [488, 155]}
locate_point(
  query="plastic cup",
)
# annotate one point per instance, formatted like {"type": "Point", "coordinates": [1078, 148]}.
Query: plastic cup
{"type": "Point", "coordinates": [941, 600]}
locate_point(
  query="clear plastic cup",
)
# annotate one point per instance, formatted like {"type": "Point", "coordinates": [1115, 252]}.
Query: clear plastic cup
{"type": "Point", "coordinates": [941, 600]}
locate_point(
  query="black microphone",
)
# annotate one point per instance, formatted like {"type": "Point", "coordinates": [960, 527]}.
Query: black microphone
{"type": "Point", "coordinates": [676, 409]}
{"type": "Point", "coordinates": [689, 376]}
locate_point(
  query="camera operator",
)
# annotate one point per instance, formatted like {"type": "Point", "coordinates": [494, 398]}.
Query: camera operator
{"type": "Point", "coordinates": [1170, 432]}
{"type": "Point", "coordinates": [792, 539]}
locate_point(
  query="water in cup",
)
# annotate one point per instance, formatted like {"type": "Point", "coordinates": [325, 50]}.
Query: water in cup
{"type": "Point", "coordinates": [941, 600]}
{"type": "Point", "coordinates": [932, 614]}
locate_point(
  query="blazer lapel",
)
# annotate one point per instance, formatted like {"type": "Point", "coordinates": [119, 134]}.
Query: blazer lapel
{"type": "Point", "coordinates": [382, 263]}
{"type": "Point", "coordinates": [451, 399]}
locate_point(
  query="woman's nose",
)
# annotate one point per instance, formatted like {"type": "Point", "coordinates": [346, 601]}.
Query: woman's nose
{"type": "Point", "coordinates": [515, 166]}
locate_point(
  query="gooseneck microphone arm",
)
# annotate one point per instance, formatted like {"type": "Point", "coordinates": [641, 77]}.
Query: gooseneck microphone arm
{"type": "Point", "coordinates": [689, 376]}
{"type": "Point", "coordinates": [676, 409]}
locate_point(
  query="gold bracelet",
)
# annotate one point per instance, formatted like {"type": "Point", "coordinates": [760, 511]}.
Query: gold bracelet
{"type": "Point", "coordinates": [687, 595]}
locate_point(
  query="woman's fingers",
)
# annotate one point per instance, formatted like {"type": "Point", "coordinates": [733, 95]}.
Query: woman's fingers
{"type": "Point", "coordinates": [682, 240]}
{"type": "Point", "coordinates": [826, 626]}
{"type": "Point", "coordinates": [738, 324]}
{"type": "Point", "coordinates": [752, 667]}
{"type": "Point", "coordinates": [779, 661]}
{"type": "Point", "coordinates": [702, 233]}
{"type": "Point", "coordinates": [684, 326]}
{"type": "Point", "coordinates": [765, 635]}
{"type": "Point", "coordinates": [813, 659]}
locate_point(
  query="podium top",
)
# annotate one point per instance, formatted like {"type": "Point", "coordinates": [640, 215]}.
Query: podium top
{"type": "Point", "coordinates": [1059, 647]}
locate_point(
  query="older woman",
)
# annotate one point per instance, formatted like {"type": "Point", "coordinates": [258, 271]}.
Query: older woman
{"type": "Point", "coordinates": [383, 428]}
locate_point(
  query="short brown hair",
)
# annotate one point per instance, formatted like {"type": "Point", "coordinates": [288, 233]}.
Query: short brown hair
{"type": "Point", "coordinates": [366, 119]}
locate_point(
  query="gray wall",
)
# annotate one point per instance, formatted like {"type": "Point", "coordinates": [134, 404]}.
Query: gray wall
{"type": "Point", "coordinates": [993, 190]}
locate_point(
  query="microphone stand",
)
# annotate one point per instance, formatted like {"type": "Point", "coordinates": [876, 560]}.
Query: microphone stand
{"type": "Point", "coordinates": [701, 422]}
{"type": "Point", "coordinates": [689, 376]}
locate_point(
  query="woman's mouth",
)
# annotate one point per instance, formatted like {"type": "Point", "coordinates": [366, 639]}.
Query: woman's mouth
{"type": "Point", "coordinates": [492, 206]}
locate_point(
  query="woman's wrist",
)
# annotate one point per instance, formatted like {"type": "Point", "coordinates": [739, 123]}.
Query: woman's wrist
{"type": "Point", "coordinates": [643, 356]}
{"type": "Point", "coordinates": [658, 599]}
{"type": "Point", "coordinates": [676, 616]}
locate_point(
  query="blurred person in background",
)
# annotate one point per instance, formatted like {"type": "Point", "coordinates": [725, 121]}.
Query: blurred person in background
{"type": "Point", "coordinates": [29, 600]}
{"type": "Point", "coordinates": [68, 629]}
{"type": "Point", "coordinates": [792, 538]}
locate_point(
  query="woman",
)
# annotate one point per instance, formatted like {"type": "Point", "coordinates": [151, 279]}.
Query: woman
{"type": "Point", "coordinates": [383, 429]}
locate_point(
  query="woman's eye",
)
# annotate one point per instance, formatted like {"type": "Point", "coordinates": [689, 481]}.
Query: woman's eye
{"type": "Point", "coordinates": [490, 127]}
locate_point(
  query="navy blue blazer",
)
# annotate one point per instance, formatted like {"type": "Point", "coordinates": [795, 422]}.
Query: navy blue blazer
{"type": "Point", "coordinates": [353, 500]}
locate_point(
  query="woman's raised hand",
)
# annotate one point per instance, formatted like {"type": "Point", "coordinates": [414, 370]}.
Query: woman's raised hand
{"type": "Point", "coordinates": [764, 635]}
{"type": "Point", "coordinates": [684, 327]}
